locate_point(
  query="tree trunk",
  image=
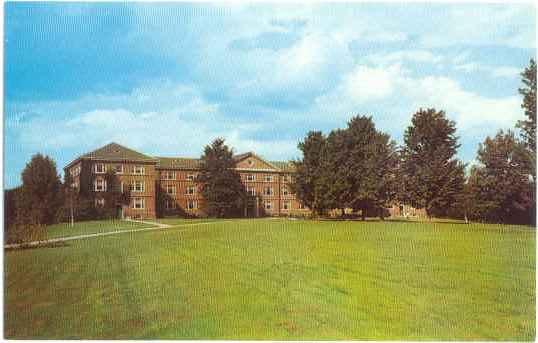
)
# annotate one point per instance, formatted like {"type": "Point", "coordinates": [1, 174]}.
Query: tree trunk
{"type": "Point", "coordinates": [363, 214]}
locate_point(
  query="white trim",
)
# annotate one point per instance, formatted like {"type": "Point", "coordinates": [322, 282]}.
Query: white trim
{"type": "Point", "coordinates": [189, 188]}
{"type": "Point", "coordinates": [139, 170]}
{"type": "Point", "coordinates": [103, 185]}
{"type": "Point", "coordinates": [95, 168]}
{"type": "Point", "coordinates": [138, 182]}
{"type": "Point", "coordinates": [172, 187]}
{"type": "Point", "coordinates": [141, 201]}
{"type": "Point", "coordinates": [189, 202]}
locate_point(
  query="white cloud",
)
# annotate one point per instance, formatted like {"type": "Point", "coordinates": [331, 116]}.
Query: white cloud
{"type": "Point", "coordinates": [421, 56]}
{"type": "Point", "coordinates": [493, 71]}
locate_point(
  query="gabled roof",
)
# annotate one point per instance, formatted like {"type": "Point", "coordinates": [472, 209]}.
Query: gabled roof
{"type": "Point", "coordinates": [178, 163]}
{"type": "Point", "coordinates": [284, 165]}
{"type": "Point", "coordinates": [245, 155]}
{"type": "Point", "coordinates": [114, 152]}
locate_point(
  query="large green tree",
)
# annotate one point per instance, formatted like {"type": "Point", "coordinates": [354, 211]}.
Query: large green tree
{"type": "Point", "coordinates": [432, 177]}
{"type": "Point", "coordinates": [41, 191]}
{"type": "Point", "coordinates": [309, 183]}
{"type": "Point", "coordinates": [223, 192]}
{"type": "Point", "coordinates": [362, 162]}
{"type": "Point", "coordinates": [528, 126]}
{"type": "Point", "coordinates": [499, 187]}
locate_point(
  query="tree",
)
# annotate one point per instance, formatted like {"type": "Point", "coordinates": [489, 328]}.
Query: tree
{"type": "Point", "coordinates": [362, 163]}
{"type": "Point", "coordinates": [114, 195]}
{"type": "Point", "coordinates": [499, 187]}
{"type": "Point", "coordinates": [309, 182]}
{"type": "Point", "coordinates": [41, 191]}
{"type": "Point", "coordinates": [432, 177]}
{"type": "Point", "coordinates": [224, 194]}
{"type": "Point", "coordinates": [528, 126]}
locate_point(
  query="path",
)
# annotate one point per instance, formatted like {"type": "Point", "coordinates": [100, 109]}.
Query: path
{"type": "Point", "coordinates": [158, 226]}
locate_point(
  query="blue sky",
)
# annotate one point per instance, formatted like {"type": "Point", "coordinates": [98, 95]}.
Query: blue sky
{"type": "Point", "coordinates": [166, 79]}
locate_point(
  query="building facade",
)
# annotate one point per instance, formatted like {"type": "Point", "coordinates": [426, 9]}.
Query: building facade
{"type": "Point", "coordinates": [166, 186]}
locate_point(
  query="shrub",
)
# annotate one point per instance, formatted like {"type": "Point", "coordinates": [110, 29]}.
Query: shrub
{"type": "Point", "coordinates": [22, 233]}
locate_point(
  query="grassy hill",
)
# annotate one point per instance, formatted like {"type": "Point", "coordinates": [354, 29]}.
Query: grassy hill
{"type": "Point", "coordinates": [280, 279]}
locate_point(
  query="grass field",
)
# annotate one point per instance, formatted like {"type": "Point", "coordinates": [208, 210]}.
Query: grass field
{"type": "Point", "coordinates": [280, 279]}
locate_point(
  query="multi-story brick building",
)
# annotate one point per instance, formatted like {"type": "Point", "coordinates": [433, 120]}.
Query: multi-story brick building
{"type": "Point", "coordinates": [163, 186]}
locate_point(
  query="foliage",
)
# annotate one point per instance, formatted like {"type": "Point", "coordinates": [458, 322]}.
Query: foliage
{"type": "Point", "coordinates": [528, 126]}
{"type": "Point", "coordinates": [12, 198]}
{"type": "Point", "coordinates": [223, 192]}
{"type": "Point", "coordinates": [20, 232]}
{"type": "Point", "coordinates": [309, 183]}
{"type": "Point", "coordinates": [41, 191]}
{"type": "Point", "coordinates": [499, 187]}
{"type": "Point", "coordinates": [432, 177]}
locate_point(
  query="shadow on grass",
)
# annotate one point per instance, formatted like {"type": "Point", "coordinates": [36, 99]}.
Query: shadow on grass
{"type": "Point", "coordinates": [38, 246]}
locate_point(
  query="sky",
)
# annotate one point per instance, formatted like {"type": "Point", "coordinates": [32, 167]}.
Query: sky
{"type": "Point", "coordinates": [166, 79]}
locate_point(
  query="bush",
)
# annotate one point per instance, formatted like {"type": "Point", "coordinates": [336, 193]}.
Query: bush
{"type": "Point", "coordinates": [22, 233]}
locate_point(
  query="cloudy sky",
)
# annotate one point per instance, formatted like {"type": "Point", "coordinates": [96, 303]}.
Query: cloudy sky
{"type": "Point", "coordinates": [167, 79]}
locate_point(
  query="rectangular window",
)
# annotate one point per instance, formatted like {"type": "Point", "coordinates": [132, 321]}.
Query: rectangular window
{"type": "Point", "coordinates": [137, 186]}
{"type": "Point", "coordinates": [138, 203]}
{"type": "Point", "coordinates": [268, 191]}
{"type": "Point", "coordinates": [121, 186]}
{"type": "Point", "coordinates": [99, 202]}
{"type": "Point", "coordinates": [139, 170]}
{"type": "Point", "coordinates": [170, 189]}
{"type": "Point", "coordinates": [191, 190]}
{"type": "Point", "coordinates": [99, 168]}
{"type": "Point", "coordinates": [190, 177]}
{"type": "Point", "coordinates": [100, 185]}
{"type": "Point", "coordinates": [286, 178]}
{"type": "Point", "coordinates": [286, 205]}
{"type": "Point", "coordinates": [268, 178]}
{"type": "Point", "coordinates": [268, 205]}
{"type": "Point", "coordinates": [285, 191]}
{"type": "Point", "coordinates": [251, 177]}
{"type": "Point", "coordinates": [191, 204]}
{"type": "Point", "coordinates": [170, 204]}
{"type": "Point", "coordinates": [301, 206]}
{"type": "Point", "coordinates": [251, 191]}
{"type": "Point", "coordinates": [118, 168]}
{"type": "Point", "coordinates": [169, 175]}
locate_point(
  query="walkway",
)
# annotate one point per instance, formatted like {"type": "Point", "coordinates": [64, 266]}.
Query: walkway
{"type": "Point", "coordinates": [158, 226]}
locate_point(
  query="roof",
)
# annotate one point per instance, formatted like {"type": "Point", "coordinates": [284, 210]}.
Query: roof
{"type": "Point", "coordinates": [114, 151]}
{"type": "Point", "coordinates": [178, 163]}
{"type": "Point", "coordinates": [283, 165]}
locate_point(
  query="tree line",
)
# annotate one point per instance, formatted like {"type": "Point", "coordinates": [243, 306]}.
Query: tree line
{"type": "Point", "coordinates": [361, 168]}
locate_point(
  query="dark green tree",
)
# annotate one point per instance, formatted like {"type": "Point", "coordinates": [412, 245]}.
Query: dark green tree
{"type": "Point", "coordinates": [114, 195]}
{"type": "Point", "coordinates": [223, 192]}
{"type": "Point", "coordinates": [310, 184]}
{"type": "Point", "coordinates": [41, 191]}
{"type": "Point", "coordinates": [362, 162]}
{"type": "Point", "coordinates": [499, 186]}
{"type": "Point", "coordinates": [432, 177]}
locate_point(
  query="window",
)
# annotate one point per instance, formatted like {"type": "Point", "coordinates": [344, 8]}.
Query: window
{"type": "Point", "coordinates": [191, 204]}
{"type": "Point", "coordinates": [170, 204]}
{"type": "Point", "coordinates": [286, 205]}
{"type": "Point", "coordinates": [268, 205]}
{"type": "Point", "coordinates": [191, 190]}
{"type": "Point", "coordinates": [138, 186]}
{"type": "Point", "coordinates": [100, 185]}
{"type": "Point", "coordinates": [99, 168]}
{"type": "Point", "coordinates": [301, 206]}
{"type": "Point", "coordinates": [118, 168]}
{"type": "Point", "coordinates": [138, 170]}
{"type": "Point", "coordinates": [75, 171]}
{"type": "Point", "coordinates": [170, 189]}
{"type": "Point", "coordinates": [268, 191]}
{"type": "Point", "coordinates": [251, 191]}
{"type": "Point", "coordinates": [285, 191]}
{"type": "Point", "coordinates": [286, 178]}
{"type": "Point", "coordinates": [169, 175]}
{"type": "Point", "coordinates": [250, 177]}
{"type": "Point", "coordinates": [268, 178]}
{"type": "Point", "coordinates": [99, 202]}
{"type": "Point", "coordinates": [190, 177]}
{"type": "Point", "coordinates": [121, 186]}
{"type": "Point", "coordinates": [138, 203]}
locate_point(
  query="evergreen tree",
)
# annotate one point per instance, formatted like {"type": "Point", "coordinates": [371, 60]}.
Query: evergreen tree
{"type": "Point", "coordinates": [41, 191]}
{"type": "Point", "coordinates": [528, 126]}
{"type": "Point", "coordinates": [309, 184]}
{"type": "Point", "coordinates": [432, 176]}
{"type": "Point", "coordinates": [223, 192]}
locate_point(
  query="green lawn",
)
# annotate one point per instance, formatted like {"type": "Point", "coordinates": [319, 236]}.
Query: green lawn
{"type": "Point", "coordinates": [280, 279]}
{"type": "Point", "coordinates": [88, 227]}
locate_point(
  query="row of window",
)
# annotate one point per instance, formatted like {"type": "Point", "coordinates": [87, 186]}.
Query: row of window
{"type": "Point", "coordinates": [286, 205]}
{"type": "Point", "coordinates": [172, 205]}
{"type": "Point", "coordinates": [99, 168]}
{"type": "Point", "coordinates": [171, 189]}
{"type": "Point", "coordinates": [137, 204]}
{"type": "Point", "coordinates": [171, 175]}
{"type": "Point", "coordinates": [136, 186]}
{"type": "Point", "coordinates": [267, 178]}
{"type": "Point", "coordinates": [266, 191]}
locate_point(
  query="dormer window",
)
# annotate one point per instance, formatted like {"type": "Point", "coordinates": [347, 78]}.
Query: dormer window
{"type": "Point", "coordinates": [99, 168]}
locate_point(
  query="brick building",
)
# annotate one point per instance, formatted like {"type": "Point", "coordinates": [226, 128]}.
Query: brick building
{"type": "Point", "coordinates": [162, 186]}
